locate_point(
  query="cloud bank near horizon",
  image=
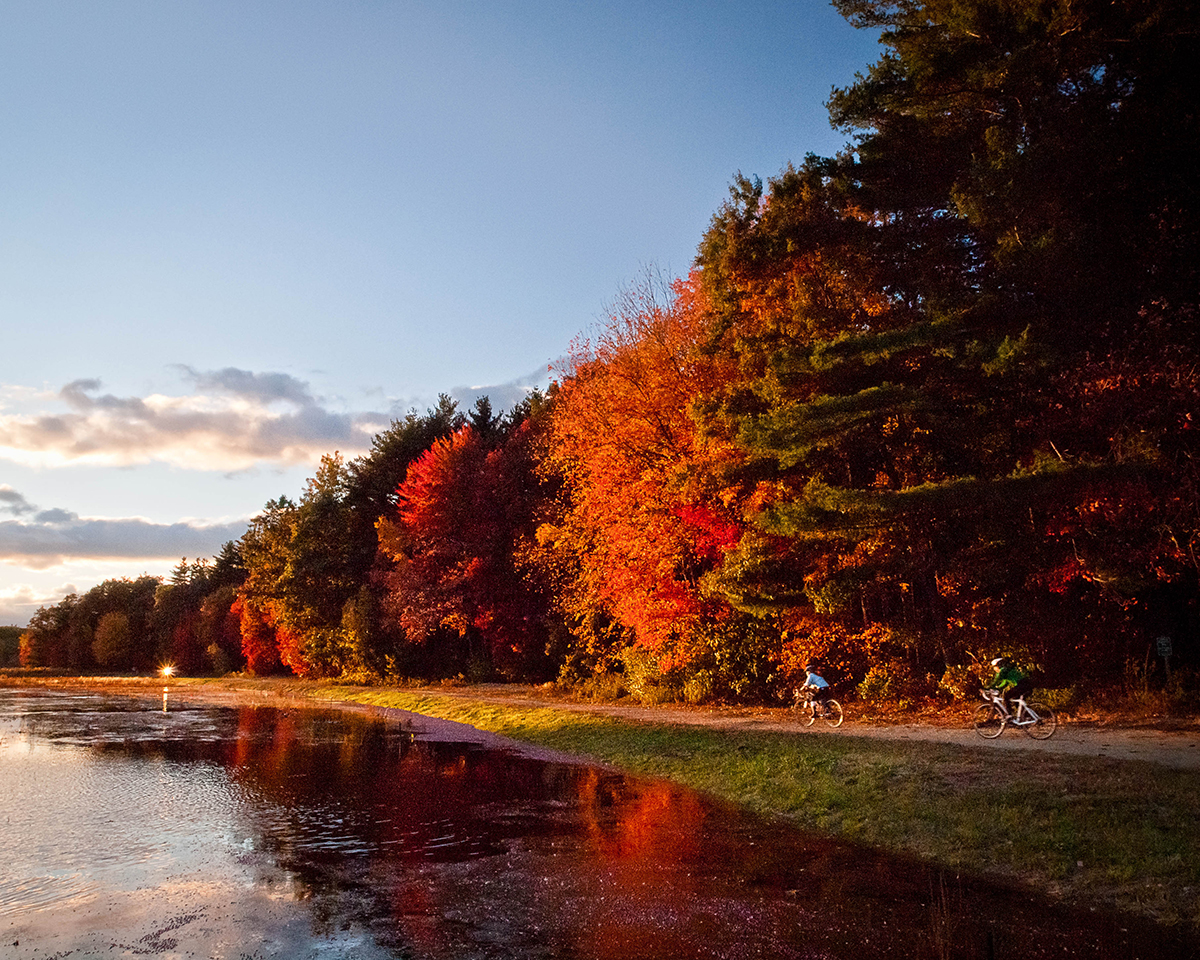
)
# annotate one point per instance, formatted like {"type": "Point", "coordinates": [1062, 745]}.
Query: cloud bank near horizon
{"type": "Point", "coordinates": [232, 420]}
{"type": "Point", "coordinates": [37, 539]}
{"type": "Point", "coordinates": [18, 604]}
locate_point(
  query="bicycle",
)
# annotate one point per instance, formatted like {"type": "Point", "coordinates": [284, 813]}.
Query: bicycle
{"type": "Point", "coordinates": [1034, 717]}
{"type": "Point", "coordinates": [808, 707]}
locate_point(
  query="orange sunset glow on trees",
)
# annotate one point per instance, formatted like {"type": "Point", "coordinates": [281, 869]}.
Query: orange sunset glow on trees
{"type": "Point", "coordinates": [645, 510]}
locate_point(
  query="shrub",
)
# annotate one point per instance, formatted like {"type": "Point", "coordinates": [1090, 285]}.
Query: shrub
{"type": "Point", "coordinates": [645, 680]}
{"type": "Point", "coordinates": [894, 680]}
{"type": "Point", "coordinates": [602, 687]}
{"type": "Point", "coordinates": [1059, 698]}
{"type": "Point", "coordinates": [698, 688]}
{"type": "Point", "coordinates": [961, 682]}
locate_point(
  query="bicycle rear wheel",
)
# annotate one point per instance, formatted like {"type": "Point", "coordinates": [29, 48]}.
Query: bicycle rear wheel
{"type": "Point", "coordinates": [1046, 724]}
{"type": "Point", "coordinates": [833, 713]}
{"type": "Point", "coordinates": [989, 722]}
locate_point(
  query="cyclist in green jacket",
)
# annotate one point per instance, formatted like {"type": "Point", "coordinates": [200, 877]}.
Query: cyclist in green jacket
{"type": "Point", "coordinates": [1010, 681]}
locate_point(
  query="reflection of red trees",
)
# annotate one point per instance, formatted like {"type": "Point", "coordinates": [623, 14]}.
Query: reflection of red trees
{"type": "Point", "coordinates": [639, 822]}
{"type": "Point", "coordinates": [607, 862]}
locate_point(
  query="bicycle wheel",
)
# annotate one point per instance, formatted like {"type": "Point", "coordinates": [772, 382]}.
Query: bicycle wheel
{"type": "Point", "coordinates": [989, 723]}
{"type": "Point", "coordinates": [833, 713]}
{"type": "Point", "coordinates": [1046, 724]}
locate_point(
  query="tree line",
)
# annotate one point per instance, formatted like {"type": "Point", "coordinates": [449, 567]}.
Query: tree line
{"type": "Point", "coordinates": [927, 401]}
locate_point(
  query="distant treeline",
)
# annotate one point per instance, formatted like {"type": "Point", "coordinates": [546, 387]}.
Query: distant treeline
{"type": "Point", "coordinates": [931, 400]}
{"type": "Point", "coordinates": [10, 646]}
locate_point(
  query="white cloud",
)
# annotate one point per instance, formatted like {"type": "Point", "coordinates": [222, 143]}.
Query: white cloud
{"type": "Point", "coordinates": [231, 420]}
{"type": "Point", "coordinates": [52, 537]}
{"type": "Point", "coordinates": [236, 419]}
{"type": "Point", "coordinates": [19, 603]}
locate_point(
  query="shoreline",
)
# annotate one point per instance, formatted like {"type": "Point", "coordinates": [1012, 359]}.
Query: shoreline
{"type": "Point", "coordinates": [1082, 828]}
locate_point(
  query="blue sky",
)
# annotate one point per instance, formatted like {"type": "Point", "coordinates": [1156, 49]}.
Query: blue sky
{"type": "Point", "coordinates": [235, 236]}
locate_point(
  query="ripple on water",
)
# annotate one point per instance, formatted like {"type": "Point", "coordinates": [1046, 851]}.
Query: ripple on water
{"type": "Point", "coordinates": [116, 822]}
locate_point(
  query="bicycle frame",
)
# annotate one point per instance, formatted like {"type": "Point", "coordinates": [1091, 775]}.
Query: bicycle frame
{"type": "Point", "coordinates": [806, 694]}
{"type": "Point", "coordinates": [991, 718]}
{"type": "Point", "coordinates": [1022, 714]}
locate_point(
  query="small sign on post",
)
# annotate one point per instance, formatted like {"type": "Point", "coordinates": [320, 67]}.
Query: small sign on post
{"type": "Point", "coordinates": [1165, 650]}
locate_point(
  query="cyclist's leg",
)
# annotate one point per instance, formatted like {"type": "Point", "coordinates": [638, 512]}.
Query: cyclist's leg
{"type": "Point", "coordinates": [1021, 690]}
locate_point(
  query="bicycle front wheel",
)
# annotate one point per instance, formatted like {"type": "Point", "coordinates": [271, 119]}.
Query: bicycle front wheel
{"type": "Point", "coordinates": [989, 722]}
{"type": "Point", "coordinates": [1046, 724]}
{"type": "Point", "coordinates": [833, 713]}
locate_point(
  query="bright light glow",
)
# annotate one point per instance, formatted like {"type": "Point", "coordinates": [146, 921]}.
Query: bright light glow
{"type": "Point", "coordinates": [168, 670]}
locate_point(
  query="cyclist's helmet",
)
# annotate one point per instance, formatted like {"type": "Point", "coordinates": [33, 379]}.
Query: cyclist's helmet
{"type": "Point", "coordinates": [1000, 662]}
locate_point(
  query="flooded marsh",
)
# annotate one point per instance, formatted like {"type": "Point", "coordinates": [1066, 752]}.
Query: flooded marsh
{"type": "Point", "coordinates": [259, 831]}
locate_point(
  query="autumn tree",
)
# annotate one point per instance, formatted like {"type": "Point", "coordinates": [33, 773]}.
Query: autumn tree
{"type": "Point", "coordinates": [935, 332]}
{"type": "Point", "coordinates": [63, 634]}
{"type": "Point", "coordinates": [313, 586]}
{"type": "Point", "coordinates": [10, 646]}
{"type": "Point", "coordinates": [453, 541]}
{"type": "Point", "coordinates": [375, 477]}
{"type": "Point", "coordinates": [644, 508]}
{"type": "Point", "coordinates": [112, 647]}
{"type": "Point", "coordinates": [43, 642]}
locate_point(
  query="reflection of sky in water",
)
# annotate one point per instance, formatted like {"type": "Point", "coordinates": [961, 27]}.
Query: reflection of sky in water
{"type": "Point", "coordinates": [308, 834]}
{"type": "Point", "coordinates": [118, 823]}
{"type": "Point", "coordinates": [110, 848]}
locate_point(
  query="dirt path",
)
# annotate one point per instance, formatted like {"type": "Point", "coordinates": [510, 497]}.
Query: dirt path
{"type": "Point", "coordinates": [1170, 748]}
{"type": "Point", "coordinates": [1175, 748]}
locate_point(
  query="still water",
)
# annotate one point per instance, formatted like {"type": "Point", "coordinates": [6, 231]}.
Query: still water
{"type": "Point", "coordinates": [260, 832]}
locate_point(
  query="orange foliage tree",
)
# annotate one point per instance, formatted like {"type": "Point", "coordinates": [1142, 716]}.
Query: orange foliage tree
{"type": "Point", "coordinates": [259, 647]}
{"type": "Point", "coordinates": [644, 510]}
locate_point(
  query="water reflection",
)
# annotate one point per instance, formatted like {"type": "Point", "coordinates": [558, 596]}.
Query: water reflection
{"type": "Point", "coordinates": [263, 832]}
